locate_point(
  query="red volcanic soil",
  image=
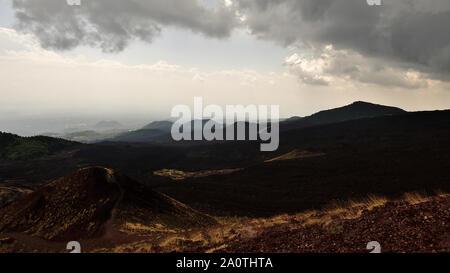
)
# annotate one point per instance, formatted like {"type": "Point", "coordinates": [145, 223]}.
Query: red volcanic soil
{"type": "Point", "coordinates": [92, 206]}
{"type": "Point", "coordinates": [397, 226]}
{"type": "Point", "coordinates": [104, 210]}
{"type": "Point", "coordinates": [75, 206]}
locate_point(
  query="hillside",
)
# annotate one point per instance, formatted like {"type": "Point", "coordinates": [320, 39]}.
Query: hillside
{"type": "Point", "coordinates": [92, 136]}
{"type": "Point", "coordinates": [141, 135]}
{"type": "Point", "coordinates": [159, 131]}
{"type": "Point", "coordinates": [356, 110]}
{"type": "Point", "coordinates": [164, 126]}
{"type": "Point", "coordinates": [412, 224]}
{"type": "Point", "coordinates": [92, 203]}
{"type": "Point", "coordinates": [412, 146]}
{"type": "Point", "coordinates": [387, 156]}
{"type": "Point", "coordinates": [14, 147]}
{"type": "Point", "coordinates": [254, 195]}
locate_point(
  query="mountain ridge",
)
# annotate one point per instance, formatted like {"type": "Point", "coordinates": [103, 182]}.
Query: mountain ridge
{"type": "Point", "coordinates": [355, 110]}
{"type": "Point", "coordinates": [159, 131]}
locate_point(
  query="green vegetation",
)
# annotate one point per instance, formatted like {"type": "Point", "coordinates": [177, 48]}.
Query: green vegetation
{"type": "Point", "coordinates": [91, 136]}
{"type": "Point", "coordinates": [142, 135]}
{"type": "Point", "coordinates": [14, 147]}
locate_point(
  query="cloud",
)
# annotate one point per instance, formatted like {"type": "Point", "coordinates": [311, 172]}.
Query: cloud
{"type": "Point", "coordinates": [327, 65]}
{"type": "Point", "coordinates": [310, 70]}
{"type": "Point", "coordinates": [409, 34]}
{"type": "Point", "coordinates": [401, 44]}
{"type": "Point", "coordinates": [414, 32]}
{"type": "Point", "coordinates": [44, 81]}
{"type": "Point", "coordinates": [112, 24]}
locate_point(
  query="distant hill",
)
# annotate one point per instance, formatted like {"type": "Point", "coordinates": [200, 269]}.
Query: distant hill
{"type": "Point", "coordinates": [159, 131]}
{"type": "Point", "coordinates": [164, 126]}
{"type": "Point", "coordinates": [91, 136]}
{"type": "Point", "coordinates": [14, 147]}
{"type": "Point", "coordinates": [387, 156]}
{"type": "Point", "coordinates": [142, 135]}
{"type": "Point", "coordinates": [83, 136]}
{"type": "Point", "coordinates": [92, 202]}
{"type": "Point", "coordinates": [108, 124]}
{"type": "Point", "coordinates": [356, 110]}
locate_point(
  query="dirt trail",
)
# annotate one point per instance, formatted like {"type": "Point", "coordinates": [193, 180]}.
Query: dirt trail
{"type": "Point", "coordinates": [108, 228]}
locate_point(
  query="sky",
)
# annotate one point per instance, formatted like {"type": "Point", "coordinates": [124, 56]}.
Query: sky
{"type": "Point", "coordinates": [135, 60]}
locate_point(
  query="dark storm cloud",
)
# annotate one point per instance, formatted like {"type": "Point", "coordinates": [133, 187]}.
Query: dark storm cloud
{"type": "Point", "coordinates": [409, 31]}
{"type": "Point", "coordinates": [409, 34]}
{"type": "Point", "coordinates": [111, 24]}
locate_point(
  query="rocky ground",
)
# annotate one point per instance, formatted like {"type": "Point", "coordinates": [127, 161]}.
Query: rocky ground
{"type": "Point", "coordinates": [108, 212]}
{"type": "Point", "coordinates": [397, 226]}
{"type": "Point", "coordinates": [415, 224]}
